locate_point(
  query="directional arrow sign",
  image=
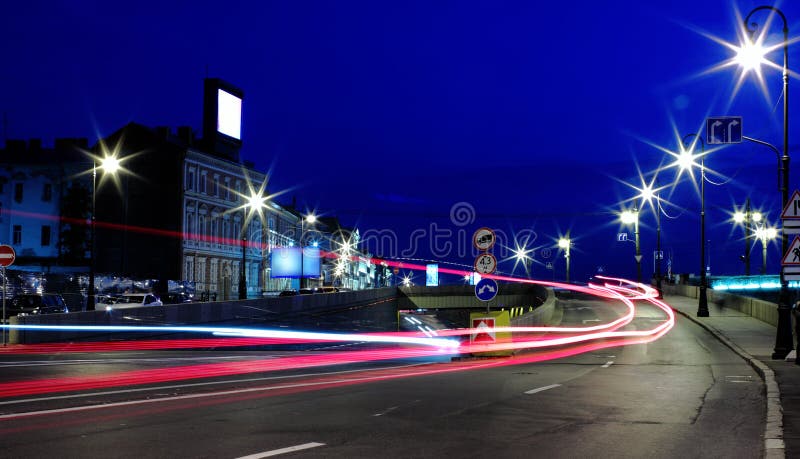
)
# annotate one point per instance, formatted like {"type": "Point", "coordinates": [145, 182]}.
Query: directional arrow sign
{"type": "Point", "coordinates": [483, 330]}
{"type": "Point", "coordinates": [486, 289]}
{"type": "Point", "coordinates": [723, 129]}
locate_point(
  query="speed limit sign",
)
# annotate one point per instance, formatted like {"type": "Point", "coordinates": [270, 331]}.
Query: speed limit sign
{"type": "Point", "coordinates": [486, 263]}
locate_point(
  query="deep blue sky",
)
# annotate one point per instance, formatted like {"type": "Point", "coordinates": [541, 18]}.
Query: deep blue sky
{"type": "Point", "coordinates": [389, 114]}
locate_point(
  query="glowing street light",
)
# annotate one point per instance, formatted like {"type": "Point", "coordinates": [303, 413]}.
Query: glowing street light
{"type": "Point", "coordinates": [765, 234]}
{"type": "Point", "coordinates": [751, 56]}
{"type": "Point", "coordinates": [629, 217]}
{"type": "Point", "coordinates": [109, 164]}
{"type": "Point", "coordinates": [564, 243]}
{"type": "Point", "coordinates": [254, 204]}
{"type": "Point", "coordinates": [521, 256]}
{"type": "Point", "coordinates": [308, 219]}
{"type": "Point", "coordinates": [745, 218]}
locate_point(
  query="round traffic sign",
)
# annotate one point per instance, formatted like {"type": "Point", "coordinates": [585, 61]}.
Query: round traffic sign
{"type": "Point", "coordinates": [484, 238]}
{"type": "Point", "coordinates": [7, 255]}
{"type": "Point", "coordinates": [486, 263]}
{"type": "Point", "coordinates": [486, 289]}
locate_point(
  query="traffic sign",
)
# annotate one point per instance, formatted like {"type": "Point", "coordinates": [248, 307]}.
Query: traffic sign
{"type": "Point", "coordinates": [792, 256]}
{"type": "Point", "coordinates": [638, 258]}
{"type": "Point", "coordinates": [723, 129]}
{"type": "Point", "coordinates": [484, 238]}
{"type": "Point", "coordinates": [792, 209]}
{"type": "Point", "coordinates": [7, 255]}
{"type": "Point", "coordinates": [485, 263]}
{"type": "Point", "coordinates": [791, 273]}
{"type": "Point", "coordinates": [486, 289]}
{"type": "Point", "coordinates": [483, 330]}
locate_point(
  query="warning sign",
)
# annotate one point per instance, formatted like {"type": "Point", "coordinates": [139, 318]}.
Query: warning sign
{"type": "Point", "coordinates": [483, 330]}
{"type": "Point", "coordinates": [792, 256]}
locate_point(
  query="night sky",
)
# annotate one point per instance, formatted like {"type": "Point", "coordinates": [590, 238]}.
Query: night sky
{"type": "Point", "coordinates": [527, 117]}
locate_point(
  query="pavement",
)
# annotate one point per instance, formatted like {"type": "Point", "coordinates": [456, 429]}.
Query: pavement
{"type": "Point", "coordinates": [754, 341]}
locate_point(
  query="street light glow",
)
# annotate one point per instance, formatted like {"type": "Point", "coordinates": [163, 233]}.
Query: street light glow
{"type": "Point", "coordinates": [750, 55]}
{"type": "Point", "coordinates": [757, 216]}
{"type": "Point", "coordinates": [628, 217]}
{"type": "Point", "coordinates": [738, 217]}
{"type": "Point", "coordinates": [563, 243]}
{"type": "Point", "coordinates": [311, 218]}
{"type": "Point", "coordinates": [110, 164]}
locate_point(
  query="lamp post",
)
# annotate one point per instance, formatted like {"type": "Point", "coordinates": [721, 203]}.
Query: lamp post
{"type": "Point", "coordinates": [632, 217]}
{"type": "Point", "coordinates": [745, 218]}
{"type": "Point", "coordinates": [564, 243]}
{"type": "Point", "coordinates": [310, 219]}
{"type": "Point", "coordinates": [765, 235]}
{"type": "Point", "coordinates": [751, 55]}
{"type": "Point", "coordinates": [686, 160]}
{"type": "Point", "coordinates": [254, 203]}
{"type": "Point", "coordinates": [109, 164]}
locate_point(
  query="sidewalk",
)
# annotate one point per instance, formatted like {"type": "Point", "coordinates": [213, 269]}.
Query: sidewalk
{"type": "Point", "coordinates": [754, 341]}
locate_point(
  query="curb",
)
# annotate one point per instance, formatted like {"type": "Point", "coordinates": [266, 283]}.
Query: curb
{"type": "Point", "coordinates": [774, 446]}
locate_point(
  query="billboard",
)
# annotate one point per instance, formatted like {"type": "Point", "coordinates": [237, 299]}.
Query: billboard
{"type": "Point", "coordinates": [432, 275]}
{"type": "Point", "coordinates": [229, 114]}
{"type": "Point", "coordinates": [287, 262]}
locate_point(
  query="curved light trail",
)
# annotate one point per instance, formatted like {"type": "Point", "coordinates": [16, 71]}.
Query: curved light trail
{"type": "Point", "coordinates": [541, 343]}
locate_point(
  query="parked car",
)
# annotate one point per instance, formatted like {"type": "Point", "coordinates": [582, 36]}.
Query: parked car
{"type": "Point", "coordinates": [32, 303]}
{"type": "Point", "coordinates": [177, 298]}
{"type": "Point", "coordinates": [288, 293]}
{"type": "Point", "coordinates": [134, 300]}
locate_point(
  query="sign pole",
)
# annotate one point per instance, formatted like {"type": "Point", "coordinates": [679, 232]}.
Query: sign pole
{"type": "Point", "coordinates": [4, 305]}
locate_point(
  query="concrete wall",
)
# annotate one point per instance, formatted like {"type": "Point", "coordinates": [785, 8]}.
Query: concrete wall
{"type": "Point", "coordinates": [463, 296]}
{"type": "Point", "coordinates": [365, 310]}
{"type": "Point", "coordinates": [764, 311]}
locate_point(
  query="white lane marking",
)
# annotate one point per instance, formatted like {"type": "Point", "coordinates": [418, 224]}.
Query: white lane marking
{"type": "Point", "coordinates": [206, 395]}
{"type": "Point", "coordinates": [540, 389]}
{"type": "Point", "coordinates": [389, 410]}
{"type": "Point", "coordinates": [183, 386]}
{"type": "Point", "coordinates": [608, 364]}
{"type": "Point", "coordinates": [289, 449]}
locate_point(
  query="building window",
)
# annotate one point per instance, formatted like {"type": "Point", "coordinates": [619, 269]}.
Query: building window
{"type": "Point", "coordinates": [203, 178]}
{"type": "Point", "coordinates": [227, 189]}
{"type": "Point", "coordinates": [47, 192]}
{"type": "Point", "coordinates": [18, 192]}
{"type": "Point", "coordinates": [201, 227]}
{"type": "Point", "coordinates": [215, 186]}
{"type": "Point", "coordinates": [190, 179]}
{"type": "Point", "coordinates": [17, 234]}
{"type": "Point", "coordinates": [46, 236]}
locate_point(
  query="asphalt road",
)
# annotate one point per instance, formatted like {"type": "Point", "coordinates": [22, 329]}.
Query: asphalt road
{"type": "Point", "coordinates": [685, 395]}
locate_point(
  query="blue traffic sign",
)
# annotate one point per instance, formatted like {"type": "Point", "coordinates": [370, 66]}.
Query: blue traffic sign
{"type": "Point", "coordinates": [486, 289]}
{"type": "Point", "coordinates": [723, 129]}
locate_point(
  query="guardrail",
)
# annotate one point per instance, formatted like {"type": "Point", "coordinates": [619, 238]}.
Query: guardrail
{"type": "Point", "coordinates": [764, 311]}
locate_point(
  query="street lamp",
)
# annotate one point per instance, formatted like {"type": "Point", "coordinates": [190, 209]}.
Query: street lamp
{"type": "Point", "coordinates": [751, 56]}
{"type": "Point", "coordinates": [254, 204]}
{"type": "Point", "coordinates": [632, 217]}
{"type": "Point", "coordinates": [686, 160]}
{"type": "Point", "coordinates": [521, 255]}
{"type": "Point", "coordinates": [310, 219]}
{"type": "Point", "coordinates": [109, 164]}
{"type": "Point", "coordinates": [765, 235]}
{"type": "Point", "coordinates": [564, 243]}
{"type": "Point", "coordinates": [744, 218]}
